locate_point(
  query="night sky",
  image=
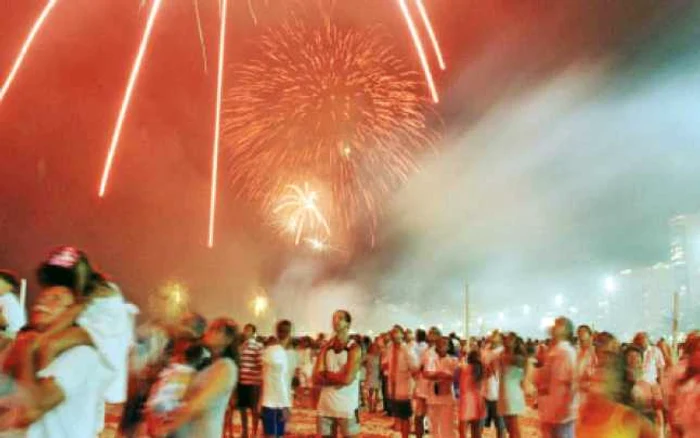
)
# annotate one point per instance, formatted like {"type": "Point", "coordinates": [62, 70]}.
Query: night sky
{"type": "Point", "coordinates": [536, 192]}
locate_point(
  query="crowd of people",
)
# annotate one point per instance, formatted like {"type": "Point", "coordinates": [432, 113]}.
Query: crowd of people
{"type": "Point", "coordinates": [80, 353]}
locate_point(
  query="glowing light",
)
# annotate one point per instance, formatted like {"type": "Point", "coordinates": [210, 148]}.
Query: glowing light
{"type": "Point", "coordinates": [610, 285]}
{"type": "Point", "coordinates": [526, 309]}
{"type": "Point", "coordinates": [25, 47]}
{"type": "Point", "coordinates": [260, 304]}
{"type": "Point", "coordinates": [547, 322]}
{"type": "Point", "coordinates": [420, 50]}
{"type": "Point", "coordinates": [217, 123]}
{"type": "Point", "coordinates": [431, 33]}
{"type": "Point", "coordinates": [559, 300]}
{"type": "Point", "coordinates": [127, 95]}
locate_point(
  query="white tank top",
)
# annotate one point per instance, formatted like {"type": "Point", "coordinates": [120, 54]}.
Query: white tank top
{"type": "Point", "coordinates": [344, 401]}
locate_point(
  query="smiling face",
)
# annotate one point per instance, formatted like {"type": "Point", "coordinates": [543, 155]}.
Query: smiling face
{"type": "Point", "coordinates": [50, 304]}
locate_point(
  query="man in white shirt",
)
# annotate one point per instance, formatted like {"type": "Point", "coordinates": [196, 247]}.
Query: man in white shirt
{"type": "Point", "coordinates": [556, 384]}
{"type": "Point", "coordinates": [61, 400]}
{"type": "Point", "coordinates": [276, 387]}
{"type": "Point", "coordinates": [491, 356]}
{"type": "Point", "coordinates": [337, 373]}
{"type": "Point", "coordinates": [653, 359]}
{"type": "Point", "coordinates": [12, 316]}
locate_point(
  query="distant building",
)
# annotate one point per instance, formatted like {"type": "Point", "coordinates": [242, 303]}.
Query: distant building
{"type": "Point", "coordinates": [647, 296]}
{"type": "Point", "coordinates": [685, 260]}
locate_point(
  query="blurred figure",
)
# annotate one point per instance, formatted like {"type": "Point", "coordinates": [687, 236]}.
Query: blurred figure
{"type": "Point", "coordinates": [425, 351]}
{"type": "Point", "coordinates": [585, 357]}
{"type": "Point", "coordinates": [511, 399]}
{"type": "Point", "coordinates": [372, 380]}
{"type": "Point", "coordinates": [653, 362]}
{"type": "Point", "coordinates": [250, 380]}
{"type": "Point", "coordinates": [440, 372]}
{"type": "Point", "coordinates": [12, 315]}
{"type": "Point", "coordinates": [472, 407]}
{"type": "Point", "coordinates": [277, 383]}
{"type": "Point", "coordinates": [401, 364]}
{"type": "Point", "coordinates": [556, 383]}
{"type": "Point", "coordinates": [492, 355]}
{"type": "Point", "coordinates": [603, 414]}
{"type": "Point", "coordinates": [645, 397]}
{"type": "Point", "coordinates": [203, 412]}
{"type": "Point", "coordinates": [685, 390]}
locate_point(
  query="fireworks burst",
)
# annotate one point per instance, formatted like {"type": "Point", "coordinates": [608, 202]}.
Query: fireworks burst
{"type": "Point", "coordinates": [328, 105]}
{"type": "Point", "coordinates": [360, 99]}
{"type": "Point", "coordinates": [298, 213]}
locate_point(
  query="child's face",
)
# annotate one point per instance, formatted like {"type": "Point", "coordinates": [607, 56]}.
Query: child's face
{"type": "Point", "coordinates": [441, 347]}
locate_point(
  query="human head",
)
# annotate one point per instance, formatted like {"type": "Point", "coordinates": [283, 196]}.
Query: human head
{"type": "Point", "coordinates": [441, 346]}
{"type": "Point", "coordinates": [609, 378]}
{"type": "Point", "coordinates": [634, 361]}
{"type": "Point", "coordinates": [283, 330]}
{"type": "Point", "coordinates": [50, 305]}
{"type": "Point", "coordinates": [222, 338]}
{"type": "Point", "coordinates": [433, 335]}
{"type": "Point", "coordinates": [585, 335]}
{"type": "Point", "coordinates": [66, 266]}
{"type": "Point", "coordinates": [563, 329]}
{"type": "Point", "coordinates": [397, 334]}
{"type": "Point", "coordinates": [421, 336]}
{"type": "Point", "coordinates": [249, 331]}
{"type": "Point", "coordinates": [692, 352]}
{"type": "Point", "coordinates": [408, 335]}
{"type": "Point", "coordinates": [341, 321]}
{"type": "Point", "coordinates": [496, 339]}
{"type": "Point", "coordinates": [190, 326]}
{"type": "Point", "coordinates": [8, 282]}
{"type": "Point", "coordinates": [641, 340]}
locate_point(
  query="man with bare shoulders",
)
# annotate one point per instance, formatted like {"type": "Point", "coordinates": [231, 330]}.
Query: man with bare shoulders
{"type": "Point", "coordinates": [336, 372]}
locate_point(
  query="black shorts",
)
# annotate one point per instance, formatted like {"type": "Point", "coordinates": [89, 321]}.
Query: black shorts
{"type": "Point", "coordinates": [493, 417]}
{"type": "Point", "coordinates": [248, 396]}
{"type": "Point", "coordinates": [401, 409]}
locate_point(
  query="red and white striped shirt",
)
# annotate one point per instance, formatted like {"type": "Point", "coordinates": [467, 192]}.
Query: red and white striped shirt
{"type": "Point", "coordinates": [251, 363]}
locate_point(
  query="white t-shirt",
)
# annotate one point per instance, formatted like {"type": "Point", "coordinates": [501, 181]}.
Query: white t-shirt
{"type": "Point", "coordinates": [276, 389]}
{"type": "Point", "coordinates": [493, 381]}
{"type": "Point", "coordinates": [109, 322]}
{"type": "Point", "coordinates": [81, 376]}
{"type": "Point", "coordinates": [13, 312]}
{"type": "Point", "coordinates": [653, 361]}
{"type": "Point", "coordinates": [339, 401]}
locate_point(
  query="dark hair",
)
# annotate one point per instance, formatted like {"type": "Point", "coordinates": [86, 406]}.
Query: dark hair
{"type": "Point", "coordinates": [252, 326]}
{"type": "Point", "coordinates": [421, 335]}
{"type": "Point", "coordinates": [10, 278]}
{"type": "Point", "coordinates": [586, 328]}
{"type": "Point", "coordinates": [195, 355]}
{"type": "Point", "coordinates": [61, 269]}
{"type": "Point", "coordinates": [474, 359]}
{"type": "Point", "coordinates": [346, 314]}
{"type": "Point", "coordinates": [568, 326]}
{"type": "Point", "coordinates": [231, 330]}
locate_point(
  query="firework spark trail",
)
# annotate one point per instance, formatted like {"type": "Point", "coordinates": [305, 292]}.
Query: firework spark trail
{"type": "Point", "coordinates": [200, 32]}
{"type": "Point", "coordinates": [420, 49]}
{"type": "Point", "coordinates": [303, 212]}
{"type": "Point", "coordinates": [25, 47]}
{"type": "Point", "coordinates": [431, 33]}
{"type": "Point", "coordinates": [127, 95]}
{"type": "Point", "coordinates": [217, 122]}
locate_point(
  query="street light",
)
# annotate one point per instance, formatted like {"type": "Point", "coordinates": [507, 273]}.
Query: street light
{"type": "Point", "coordinates": [559, 300]}
{"type": "Point", "coordinates": [610, 285]}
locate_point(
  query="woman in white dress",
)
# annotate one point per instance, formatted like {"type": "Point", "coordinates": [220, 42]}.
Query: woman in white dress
{"type": "Point", "coordinates": [204, 408]}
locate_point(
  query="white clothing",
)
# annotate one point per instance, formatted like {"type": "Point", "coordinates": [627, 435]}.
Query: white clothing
{"type": "Point", "coordinates": [653, 361]}
{"type": "Point", "coordinates": [401, 364]}
{"type": "Point", "coordinates": [424, 386]}
{"type": "Point", "coordinates": [558, 398]}
{"type": "Point", "coordinates": [493, 381]}
{"type": "Point", "coordinates": [276, 388]}
{"type": "Point", "coordinates": [14, 314]}
{"type": "Point", "coordinates": [81, 376]}
{"type": "Point", "coordinates": [339, 401]}
{"type": "Point", "coordinates": [292, 365]}
{"type": "Point", "coordinates": [171, 387]}
{"type": "Point", "coordinates": [442, 393]}
{"type": "Point", "coordinates": [108, 322]}
{"type": "Point", "coordinates": [210, 423]}
{"type": "Point", "coordinates": [442, 420]}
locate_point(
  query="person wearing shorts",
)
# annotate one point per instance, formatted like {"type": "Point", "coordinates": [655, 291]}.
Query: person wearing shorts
{"type": "Point", "coordinates": [250, 380]}
{"type": "Point", "coordinates": [401, 364]}
{"type": "Point", "coordinates": [277, 383]}
{"type": "Point", "coordinates": [337, 374]}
